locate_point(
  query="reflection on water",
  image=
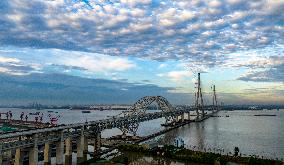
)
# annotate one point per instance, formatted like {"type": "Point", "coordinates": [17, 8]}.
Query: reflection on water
{"type": "Point", "coordinates": [254, 135]}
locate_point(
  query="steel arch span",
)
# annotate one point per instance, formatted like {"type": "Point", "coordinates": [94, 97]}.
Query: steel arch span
{"type": "Point", "coordinates": [140, 108]}
{"type": "Point", "coordinates": [142, 104]}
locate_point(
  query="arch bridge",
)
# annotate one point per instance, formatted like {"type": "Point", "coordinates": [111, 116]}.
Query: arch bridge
{"type": "Point", "coordinates": [140, 108]}
{"type": "Point", "coordinates": [28, 142]}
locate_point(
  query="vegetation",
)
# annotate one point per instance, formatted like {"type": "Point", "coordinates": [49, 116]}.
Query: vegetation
{"type": "Point", "coordinates": [197, 156]}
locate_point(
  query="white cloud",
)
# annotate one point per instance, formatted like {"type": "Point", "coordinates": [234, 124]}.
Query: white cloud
{"type": "Point", "coordinates": [95, 63]}
{"type": "Point", "coordinates": [162, 66]}
{"type": "Point", "coordinates": [4, 70]}
{"type": "Point", "coordinates": [177, 76]}
{"type": "Point", "coordinates": [136, 12]}
{"type": "Point", "coordinates": [172, 16]}
{"type": "Point", "coordinates": [12, 72]}
{"type": "Point", "coordinates": [145, 28]}
{"type": "Point", "coordinates": [15, 66]}
{"type": "Point", "coordinates": [8, 60]}
{"type": "Point", "coordinates": [136, 2]}
{"type": "Point", "coordinates": [234, 2]}
{"type": "Point", "coordinates": [215, 3]}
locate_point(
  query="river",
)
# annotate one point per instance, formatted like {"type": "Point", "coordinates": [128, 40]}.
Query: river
{"type": "Point", "coordinates": [254, 135]}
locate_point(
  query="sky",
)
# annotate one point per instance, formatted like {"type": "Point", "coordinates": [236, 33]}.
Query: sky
{"type": "Point", "coordinates": [116, 51]}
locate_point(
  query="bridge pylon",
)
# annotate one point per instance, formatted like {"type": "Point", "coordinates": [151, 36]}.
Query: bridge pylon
{"type": "Point", "coordinates": [199, 100]}
{"type": "Point", "coordinates": [215, 103]}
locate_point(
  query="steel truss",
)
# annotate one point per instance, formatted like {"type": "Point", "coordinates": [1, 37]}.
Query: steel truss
{"type": "Point", "coordinates": [140, 108]}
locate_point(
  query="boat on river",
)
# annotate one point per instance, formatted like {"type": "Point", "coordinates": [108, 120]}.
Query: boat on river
{"type": "Point", "coordinates": [265, 115]}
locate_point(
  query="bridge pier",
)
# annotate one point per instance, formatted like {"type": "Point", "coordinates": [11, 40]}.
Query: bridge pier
{"type": "Point", "coordinates": [182, 117]}
{"type": "Point", "coordinates": [47, 154]}
{"type": "Point", "coordinates": [85, 150]}
{"type": "Point", "coordinates": [33, 156]}
{"type": "Point", "coordinates": [188, 115]}
{"type": "Point", "coordinates": [8, 155]}
{"type": "Point", "coordinates": [19, 157]}
{"type": "Point", "coordinates": [68, 151]}
{"type": "Point", "coordinates": [60, 149]}
{"type": "Point", "coordinates": [123, 136]}
{"type": "Point", "coordinates": [1, 154]}
{"type": "Point", "coordinates": [33, 152]}
{"type": "Point", "coordinates": [176, 119]}
{"type": "Point", "coordinates": [97, 143]}
{"type": "Point", "coordinates": [80, 147]}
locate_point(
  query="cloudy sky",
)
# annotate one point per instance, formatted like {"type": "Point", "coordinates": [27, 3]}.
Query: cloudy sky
{"type": "Point", "coordinates": [116, 51]}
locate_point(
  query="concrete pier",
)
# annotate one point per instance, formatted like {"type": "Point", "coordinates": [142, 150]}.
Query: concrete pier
{"type": "Point", "coordinates": [188, 115]}
{"type": "Point", "coordinates": [97, 143]}
{"type": "Point", "coordinates": [182, 117]}
{"type": "Point", "coordinates": [33, 152]}
{"type": "Point", "coordinates": [176, 119]}
{"type": "Point", "coordinates": [68, 151]}
{"type": "Point", "coordinates": [33, 156]}
{"type": "Point", "coordinates": [85, 150]}
{"type": "Point", "coordinates": [60, 150]}
{"type": "Point", "coordinates": [47, 154]}
{"type": "Point", "coordinates": [19, 157]}
{"type": "Point", "coordinates": [80, 147]}
{"type": "Point", "coordinates": [1, 155]}
{"type": "Point", "coordinates": [9, 155]}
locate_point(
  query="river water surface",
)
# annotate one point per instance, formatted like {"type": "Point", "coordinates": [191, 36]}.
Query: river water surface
{"type": "Point", "coordinates": [254, 135]}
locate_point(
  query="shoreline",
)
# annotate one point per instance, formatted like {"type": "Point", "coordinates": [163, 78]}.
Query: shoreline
{"type": "Point", "coordinates": [182, 154]}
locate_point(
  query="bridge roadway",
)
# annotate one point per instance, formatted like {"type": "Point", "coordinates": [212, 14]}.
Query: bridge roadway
{"type": "Point", "coordinates": [28, 141]}
{"type": "Point", "coordinates": [32, 138]}
{"type": "Point", "coordinates": [97, 125]}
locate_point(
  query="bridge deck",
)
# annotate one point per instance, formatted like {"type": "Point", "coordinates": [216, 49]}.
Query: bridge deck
{"type": "Point", "coordinates": [16, 139]}
{"type": "Point", "coordinates": [22, 123]}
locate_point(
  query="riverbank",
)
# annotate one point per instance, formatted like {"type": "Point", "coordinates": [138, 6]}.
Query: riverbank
{"type": "Point", "coordinates": [183, 154]}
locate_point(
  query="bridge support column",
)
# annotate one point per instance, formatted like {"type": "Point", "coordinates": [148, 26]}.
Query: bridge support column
{"type": "Point", "coordinates": [182, 117]}
{"type": "Point", "coordinates": [33, 152]}
{"type": "Point", "coordinates": [60, 149]}
{"type": "Point", "coordinates": [176, 118]}
{"type": "Point", "coordinates": [197, 114]}
{"type": "Point", "coordinates": [1, 154]}
{"type": "Point", "coordinates": [85, 151]}
{"type": "Point", "coordinates": [188, 115]}
{"type": "Point", "coordinates": [123, 136]}
{"type": "Point", "coordinates": [33, 156]}
{"type": "Point", "coordinates": [47, 154]}
{"type": "Point", "coordinates": [97, 143]}
{"type": "Point", "coordinates": [19, 157]}
{"type": "Point", "coordinates": [9, 155]}
{"type": "Point", "coordinates": [68, 152]}
{"type": "Point", "coordinates": [80, 147]}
